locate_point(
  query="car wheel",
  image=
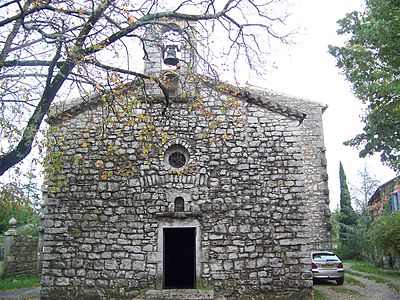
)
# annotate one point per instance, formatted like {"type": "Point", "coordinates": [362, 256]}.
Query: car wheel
{"type": "Point", "coordinates": [340, 281]}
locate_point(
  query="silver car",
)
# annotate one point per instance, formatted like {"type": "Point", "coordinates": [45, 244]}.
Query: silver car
{"type": "Point", "coordinates": [326, 265]}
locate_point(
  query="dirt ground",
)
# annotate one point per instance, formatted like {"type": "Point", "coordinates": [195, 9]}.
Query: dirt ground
{"type": "Point", "coordinates": [367, 289]}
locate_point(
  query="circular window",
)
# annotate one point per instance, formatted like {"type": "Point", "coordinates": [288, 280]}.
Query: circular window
{"type": "Point", "coordinates": [177, 160]}
{"type": "Point", "coordinates": [177, 156]}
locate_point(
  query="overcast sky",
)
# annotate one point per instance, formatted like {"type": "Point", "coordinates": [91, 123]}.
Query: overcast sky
{"type": "Point", "coordinates": [307, 70]}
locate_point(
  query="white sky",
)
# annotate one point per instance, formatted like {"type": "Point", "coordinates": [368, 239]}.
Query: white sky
{"type": "Point", "coordinates": [307, 70]}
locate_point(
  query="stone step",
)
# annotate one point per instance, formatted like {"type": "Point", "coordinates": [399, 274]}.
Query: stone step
{"type": "Point", "coordinates": [179, 294]}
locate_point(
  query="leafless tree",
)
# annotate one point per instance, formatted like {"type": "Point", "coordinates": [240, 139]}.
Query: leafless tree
{"type": "Point", "coordinates": [55, 49]}
{"type": "Point", "coordinates": [364, 188]}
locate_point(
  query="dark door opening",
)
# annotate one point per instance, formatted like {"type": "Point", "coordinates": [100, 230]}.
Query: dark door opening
{"type": "Point", "coordinates": [180, 258]}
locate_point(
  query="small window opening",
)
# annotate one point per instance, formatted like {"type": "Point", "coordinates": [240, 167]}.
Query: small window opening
{"type": "Point", "coordinates": [179, 204]}
{"type": "Point", "coordinates": [395, 202]}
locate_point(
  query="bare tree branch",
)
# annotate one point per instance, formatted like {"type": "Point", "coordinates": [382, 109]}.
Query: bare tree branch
{"type": "Point", "coordinates": [60, 49]}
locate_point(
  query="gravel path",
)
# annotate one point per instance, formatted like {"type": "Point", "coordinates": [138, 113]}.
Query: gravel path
{"type": "Point", "coordinates": [21, 294]}
{"type": "Point", "coordinates": [368, 290]}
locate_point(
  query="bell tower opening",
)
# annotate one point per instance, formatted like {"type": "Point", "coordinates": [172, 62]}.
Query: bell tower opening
{"type": "Point", "coordinates": [170, 46]}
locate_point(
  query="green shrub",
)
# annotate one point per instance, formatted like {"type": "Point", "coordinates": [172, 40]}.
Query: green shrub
{"type": "Point", "coordinates": [385, 234]}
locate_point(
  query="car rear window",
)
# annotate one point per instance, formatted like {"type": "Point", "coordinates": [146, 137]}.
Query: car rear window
{"type": "Point", "coordinates": [325, 256]}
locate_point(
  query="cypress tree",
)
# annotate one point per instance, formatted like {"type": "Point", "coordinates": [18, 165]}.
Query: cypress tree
{"type": "Point", "coordinates": [348, 215]}
{"type": "Point", "coordinates": [348, 231]}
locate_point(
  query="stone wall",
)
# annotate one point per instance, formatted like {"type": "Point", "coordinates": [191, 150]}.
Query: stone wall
{"type": "Point", "coordinates": [249, 190]}
{"type": "Point", "coordinates": [315, 171]}
{"type": "Point", "coordinates": [20, 255]}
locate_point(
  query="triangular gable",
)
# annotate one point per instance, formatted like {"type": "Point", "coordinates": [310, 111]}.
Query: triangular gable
{"type": "Point", "coordinates": [261, 97]}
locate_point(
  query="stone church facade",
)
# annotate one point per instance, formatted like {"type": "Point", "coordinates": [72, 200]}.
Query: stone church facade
{"type": "Point", "coordinates": [224, 191]}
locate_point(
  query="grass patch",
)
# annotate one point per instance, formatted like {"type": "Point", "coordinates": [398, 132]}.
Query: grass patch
{"type": "Point", "coordinates": [366, 267]}
{"type": "Point", "coordinates": [344, 290]}
{"type": "Point", "coordinates": [351, 272]}
{"type": "Point", "coordinates": [318, 295]}
{"type": "Point", "coordinates": [1, 268]}
{"type": "Point", "coordinates": [377, 279]}
{"type": "Point", "coordinates": [353, 281]}
{"type": "Point", "coordinates": [16, 283]}
{"type": "Point", "coordinates": [394, 286]}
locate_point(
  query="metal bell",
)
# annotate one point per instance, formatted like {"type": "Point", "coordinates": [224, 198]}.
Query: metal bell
{"type": "Point", "coordinates": [170, 57]}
